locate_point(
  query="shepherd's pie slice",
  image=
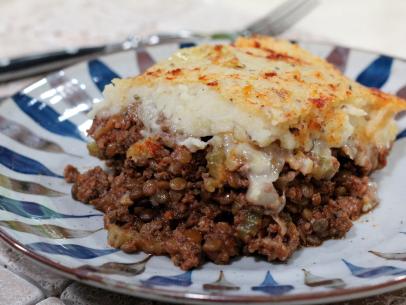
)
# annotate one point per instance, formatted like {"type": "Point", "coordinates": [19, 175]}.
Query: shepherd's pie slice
{"type": "Point", "coordinates": [223, 150]}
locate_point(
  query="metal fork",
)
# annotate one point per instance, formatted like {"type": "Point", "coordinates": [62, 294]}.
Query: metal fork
{"type": "Point", "coordinates": [274, 23]}
{"type": "Point", "coordinates": [281, 18]}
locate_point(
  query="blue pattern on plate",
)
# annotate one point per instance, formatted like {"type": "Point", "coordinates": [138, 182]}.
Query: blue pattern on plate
{"type": "Point", "coordinates": [184, 45]}
{"type": "Point", "coordinates": [363, 272]}
{"type": "Point", "coordinates": [270, 286]}
{"type": "Point", "coordinates": [22, 164]}
{"type": "Point", "coordinates": [34, 210]}
{"type": "Point", "coordinates": [101, 74]}
{"type": "Point", "coordinates": [71, 255]}
{"type": "Point", "coordinates": [339, 57]}
{"type": "Point", "coordinates": [183, 279]}
{"type": "Point", "coordinates": [45, 116]}
{"type": "Point", "coordinates": [377, 73]}
{"type": "Point", "coordinates": [401, 135]}
{"type": "Point", "coordinates": [25, 136]}
{"type": "Point", "coordinates": [72, 250]}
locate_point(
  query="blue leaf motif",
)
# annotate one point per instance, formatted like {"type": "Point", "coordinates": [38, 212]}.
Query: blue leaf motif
{"type": "Point", "coordinates": [373, 272]}
{"type": "Point", "coordinates": [34, 210]}
{"type": "Point", "coordinates": [184, 45]}
{"type": "Point", "coordinates": [183, 279]}
{"type": "Point", "coordinates": [401, 135]}
{"type": "Point", "coordinates": [270, 286]}
{"type": "Point", "coordinates": [46, 117]}
{"type": "Point", "coordinates": [72, 250]}
{"type": "Point", "coordinates": [377, 73]}
{"type": "Point", "coordinates": [22, 164]}
{"type": "Point", "coordinates": [101, 74]}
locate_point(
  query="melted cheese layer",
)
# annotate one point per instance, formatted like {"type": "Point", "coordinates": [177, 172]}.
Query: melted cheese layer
{"type": "Point", "coordinates": [263, 168]}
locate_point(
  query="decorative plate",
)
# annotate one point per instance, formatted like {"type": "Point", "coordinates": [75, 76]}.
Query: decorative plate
{"type": "Point", "coordinates": [42, 128]}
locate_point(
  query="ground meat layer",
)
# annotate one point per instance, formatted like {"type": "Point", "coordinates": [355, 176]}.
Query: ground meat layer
{"type": "Point", "coordinates": [154, 199]}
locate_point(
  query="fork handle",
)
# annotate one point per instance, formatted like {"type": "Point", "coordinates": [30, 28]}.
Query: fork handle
{"type": "Point", "coordinates": [31, 65]}
{"type": "Point", "coordinates": [21, 67]}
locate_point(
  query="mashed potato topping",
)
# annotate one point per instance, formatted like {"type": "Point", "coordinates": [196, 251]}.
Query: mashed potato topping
{"type": "Point", "coordinates": [260, 88]}
{"type": "Point", "coordinates": [256, 92]}
{"type": "Point", "coordinates": [254, 148]}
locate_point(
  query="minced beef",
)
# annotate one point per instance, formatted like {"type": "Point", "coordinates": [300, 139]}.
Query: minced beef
{"type": "Point", "coordinates": [154, 199]}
